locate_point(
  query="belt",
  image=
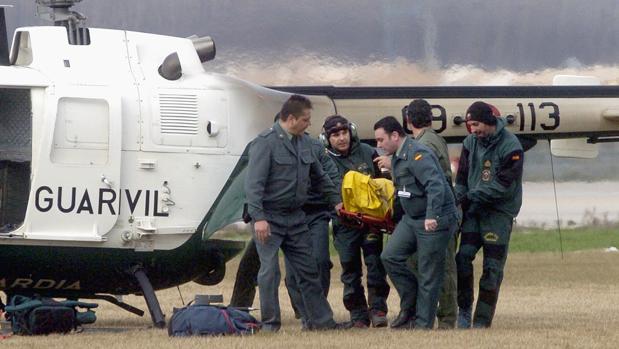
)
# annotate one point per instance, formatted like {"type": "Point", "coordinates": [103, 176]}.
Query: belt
{"type": "Point", "coordinates": [312, 208]}
{"type": "Point", "coordinates": [283, 209]}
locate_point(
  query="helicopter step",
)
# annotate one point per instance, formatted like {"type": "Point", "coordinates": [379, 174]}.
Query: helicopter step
{"type": "Point", "coordinates": [150, 297]}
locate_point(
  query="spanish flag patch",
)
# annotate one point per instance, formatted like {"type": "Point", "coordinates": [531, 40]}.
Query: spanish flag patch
{"type": "Point", "coordinates": [516, 157]}
{"type": "Point", "coordinates": [418, 156]}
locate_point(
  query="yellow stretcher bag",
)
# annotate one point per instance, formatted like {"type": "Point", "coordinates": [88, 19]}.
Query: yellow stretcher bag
{"type": "Point", "coordinates": [367, 196]}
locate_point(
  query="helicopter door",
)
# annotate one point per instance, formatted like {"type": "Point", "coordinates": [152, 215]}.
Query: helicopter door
{"type": "Point", "coordinates": [76, 180]}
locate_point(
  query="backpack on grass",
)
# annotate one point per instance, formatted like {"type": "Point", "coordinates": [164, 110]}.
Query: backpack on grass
{"type": "Point", "coordinates": [38, 315]}
{"type": "Point", "coordinates": [211, 320]}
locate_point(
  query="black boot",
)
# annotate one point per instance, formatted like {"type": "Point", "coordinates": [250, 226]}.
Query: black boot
{"type": "Point", "coordinates": [405, 320]}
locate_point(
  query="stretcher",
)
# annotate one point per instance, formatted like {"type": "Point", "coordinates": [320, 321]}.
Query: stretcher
{"type": "Point", "coordinates": [358, 220]}
{"type": "Point", "coordinates": [368, 203]}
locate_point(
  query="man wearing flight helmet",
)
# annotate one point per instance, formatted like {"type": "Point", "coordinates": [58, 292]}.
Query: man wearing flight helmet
{"type": "Point", "coordinates": [344, 147]}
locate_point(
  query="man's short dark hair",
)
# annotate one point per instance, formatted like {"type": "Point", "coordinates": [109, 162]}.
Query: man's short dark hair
{"type": "Point", "coordinates": [420, 113]}
{"type": "Point", "coordinates": [390, 124]}
{"type": "Point", "coordinates": [295, 105]}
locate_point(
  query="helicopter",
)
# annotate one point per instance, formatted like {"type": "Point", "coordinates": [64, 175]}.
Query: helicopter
{"type": "Point", "coordinates": [122, 159]}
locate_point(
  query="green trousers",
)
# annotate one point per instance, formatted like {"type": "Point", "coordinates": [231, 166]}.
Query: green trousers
{"type": "Point", "coordinates": [318, 224]}
{"type": "Point", "coordinates": [448, 296]}
{"type": "Point", "coordinates": [490, 230]}
{"type": "Point", "coordinates": [356, 246]}
{"type": "Point", "coordinates": [419, 294]}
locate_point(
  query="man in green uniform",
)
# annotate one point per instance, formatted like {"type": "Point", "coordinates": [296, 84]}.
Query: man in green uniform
{"type": "Point", "coordinates": [350, 154]}
{"type": "Point", "coordinates": [489, 188]}
{"type": "Point", "coordinates": [419, 120]}
{"type": "Point", "coordinates": [318, 215]}
{"type": "Point", "coordinates": [428, 222]}
{"type": "Point", "coordinates": [276, 186]}
{"type": "Point", "coordinates": [317, 212]}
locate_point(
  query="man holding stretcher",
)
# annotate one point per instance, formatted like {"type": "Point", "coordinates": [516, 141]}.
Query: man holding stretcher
{"type": "Point", "coordinates": [429, 220]}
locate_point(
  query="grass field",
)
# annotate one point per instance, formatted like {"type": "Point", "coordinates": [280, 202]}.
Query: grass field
{"type": "Point", "coordinates": [546, 302]}
{"type": "Point", "coordinates": [585, 238]}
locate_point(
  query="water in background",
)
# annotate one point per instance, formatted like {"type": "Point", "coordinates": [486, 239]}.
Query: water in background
{"type": "Point", "coordinates": [579, 203]}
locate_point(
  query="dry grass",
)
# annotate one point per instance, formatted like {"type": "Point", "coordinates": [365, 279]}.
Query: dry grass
{"type": "Point", "coordinates": [545, 302]}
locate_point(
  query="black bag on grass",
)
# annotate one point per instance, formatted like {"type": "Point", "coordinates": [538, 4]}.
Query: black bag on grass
{"type": "Point", "coordinates": [211, 320]}
{"type": "Point", "coordinates": [36, 316]}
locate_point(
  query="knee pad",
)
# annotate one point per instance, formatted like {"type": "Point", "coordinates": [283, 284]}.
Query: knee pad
{"type": "Point", "coordinates": [466, 254]}
{"type": "Point", "coordinates": [491, 276]}
{"type": "Point", "coordinates": [495, 252]}
{"type": "Point", "coordinates": [371, 248]}
{"type": "Point", "coordinates": [470, 238]}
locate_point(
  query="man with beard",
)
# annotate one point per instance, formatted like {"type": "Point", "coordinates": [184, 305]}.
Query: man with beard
{"type": "Point", "coordinates": [489, 188]}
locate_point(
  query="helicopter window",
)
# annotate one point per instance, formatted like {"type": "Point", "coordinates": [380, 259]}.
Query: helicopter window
{"type": "Point", "coordinates": [81, 133]}
{"type": "Point", "coordinates": [21, 53]}
{"type": "Point", "coordinates": [228, 207]}
{"type": "Point", "coordinates": [15, 156]}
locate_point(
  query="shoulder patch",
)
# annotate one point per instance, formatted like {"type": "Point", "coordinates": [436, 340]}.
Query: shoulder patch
{"type": "Point", "coordinates": [418, 156]}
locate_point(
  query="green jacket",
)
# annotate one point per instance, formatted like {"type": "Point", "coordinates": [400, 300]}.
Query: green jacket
{"type": "Point", "coordinates": [438, 145]}
{"type": "Point", "coordinates": [315, 195]}
{"type": "Point", "coordinates": [278, 176]}
{"type": "Point", "coordinates": [360, 158]}
{"type": "Point", "coordinates": [490, 172]}
{"type": "Point", "coordinates": [416, 171]}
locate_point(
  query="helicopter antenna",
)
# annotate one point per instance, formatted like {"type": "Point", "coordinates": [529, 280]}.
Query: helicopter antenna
{"type": "Point", "coordinates": [59, 12]}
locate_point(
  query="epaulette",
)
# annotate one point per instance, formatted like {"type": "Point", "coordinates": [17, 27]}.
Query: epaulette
{"type": "Point", "coordinates": [266, 132]}
{"type": "Point", "coordinates": [406, 151]}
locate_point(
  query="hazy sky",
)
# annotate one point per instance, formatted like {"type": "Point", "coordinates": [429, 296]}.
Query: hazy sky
{"type": "Point", "coordinates": [511, 34]}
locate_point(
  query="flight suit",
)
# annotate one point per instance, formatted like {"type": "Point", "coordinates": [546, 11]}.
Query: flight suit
{"type": "Point", "coordinates": [317, 211]}
{"type": "Point", "coordinates": [350, 243]}
{"type": "Point", "coordinates": [424, 194]}
{"type": "Point", "coordinates": [489, 186]}
{"type": "Point", "coordinates": [448, 298]}
{"type": "Point", "coordinates": [276, 186]}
